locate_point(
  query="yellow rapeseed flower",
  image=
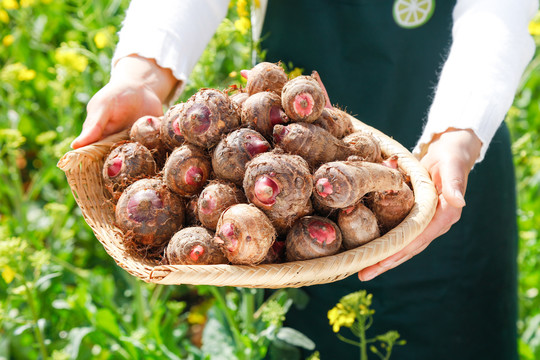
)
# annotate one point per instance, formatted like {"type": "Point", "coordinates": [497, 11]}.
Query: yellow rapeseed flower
{"type": "Point", "coordinates": [8, 40]}
{"type": "Point", "coordinates": [295, 73]}
{"type": "Point", "coordinates": [233, 74]}
{"type": "Point", "coordinates": [101, 39]}
{"type": "Point", "coordinates": [4, 16]}
{"type": "Point", "coordinates": [70, 58]}
{"type": "Point", "coordinates": [27, 3]}
{"type": "Point", "coordinates": [257, 3]}
{"type": "Point", "coordinates": [243, 24]}
{"type": "Point", "coordinates": [241, 8]}
{"type": "Point", "coordinates": [8, 274]}
{"type": "Point", "coordinates": [46, 2]}
{"type": "Point", "coordinates": [534, 28]}
{"type": "Point", "coordinates": [26, 75]}
{"type": "Point", "coordinates": [10, 4]}
{"type": "Point", "coordinates": [338, 316]}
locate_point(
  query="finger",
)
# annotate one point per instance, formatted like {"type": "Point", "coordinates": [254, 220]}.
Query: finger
{"type": "Point", "coordinates": [453, 183]}
{"type": "Point", "coordinates": [93, 128]}
{"type": "Point", "coordinates": [244, 73]}
{"type": "Point", "coordinates": [445, 216]}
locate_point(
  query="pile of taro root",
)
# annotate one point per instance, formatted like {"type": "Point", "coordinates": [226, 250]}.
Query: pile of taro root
{"type": "Point", "coordinates": [270, 174]}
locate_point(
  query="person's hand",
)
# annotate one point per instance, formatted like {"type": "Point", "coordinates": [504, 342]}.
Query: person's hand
{"type": "Point", "coordinates": [138, 87]}
{"type": "Point", "coordinates": [448, 160]}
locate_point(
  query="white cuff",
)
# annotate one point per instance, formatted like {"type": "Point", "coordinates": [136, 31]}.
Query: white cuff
{"type": "Point", "coordinates": [490, 50]}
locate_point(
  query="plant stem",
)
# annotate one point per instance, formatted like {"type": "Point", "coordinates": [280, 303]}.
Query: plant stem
{"type": "Point", "coordinates": [139, 306]}
{"type": "Point", "coordinates": [248, 309]}
{"type": "Point", "coordinates": [348, 341]}
{"type": "Point", "coordinates": [37, 330]}
{"type": "Point", "coordinates": [228, 315]}
{"type": "Point", "coordinates": [362, 335]}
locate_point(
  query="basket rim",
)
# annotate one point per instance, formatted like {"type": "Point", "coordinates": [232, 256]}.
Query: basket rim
{"type": "Point", "coordinates": [290, 274]}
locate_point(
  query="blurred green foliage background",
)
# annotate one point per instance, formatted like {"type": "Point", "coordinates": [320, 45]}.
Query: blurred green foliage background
{"type": "Point", "coordinates": [61, 295]}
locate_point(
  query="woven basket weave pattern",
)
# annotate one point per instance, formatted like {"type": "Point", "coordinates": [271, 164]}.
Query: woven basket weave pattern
{"type": "Point", "coordinates": [83, 168]}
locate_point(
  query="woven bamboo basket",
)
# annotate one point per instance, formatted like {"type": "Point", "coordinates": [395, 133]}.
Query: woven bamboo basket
{"type": "Point", "coordinates": [83, 170]}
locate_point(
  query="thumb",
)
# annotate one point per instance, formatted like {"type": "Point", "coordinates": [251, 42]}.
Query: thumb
{"type": "Point", "coordinates": [453, 183]}
{"type": "Point", "coordinates": [92, 131]}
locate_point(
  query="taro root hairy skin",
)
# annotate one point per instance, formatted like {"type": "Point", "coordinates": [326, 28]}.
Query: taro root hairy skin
{"type": "Point", "coordinates": [245, 234]}
{"type": "Point", "coordinates": [147, 131]}
{"type": "Point", "coordinates": [214, 199]}
{"type": "Point", "coordinates": [148, 215]}
{"type": "Point", "coordinates": [208, 115]}
{"type": "Point", "coordinates": [313, 143]}
{"type": "Point", "coordinates": [391, 207]}
{"type": "Point", "coordinates": [194, 246]}
{"type": "Point", "coordinates": [233, 152]}
{"type": "Point", "coordinates": [312, 237]}
{"type": "Point", "coordinates": [262, 111]}
{"type": "Point", "coordinates": [340, 184]}
{"type": "Point", "coordinates": [364, 145]}
{"type": "Point", "coordinates": [187, 169]}
{"type": "Point", "coordinates": [192, 217]}
{"type": "Point", "coordinates": [171, 135]}
{"type": "Point", "coordinates": [303, 99]}
{"type": "Point", "coordinates": [239, 98]}
{"type": "Point", "coordinates": [335, 122]}
{"type": "Point", "coordinates": [358, 226]}
{"type": "Point", "coordinates": [266, 76]}
{"type": "Point", "coordinates": [126, 163]}
{"type": "Point", "coordinates": [291, 175]}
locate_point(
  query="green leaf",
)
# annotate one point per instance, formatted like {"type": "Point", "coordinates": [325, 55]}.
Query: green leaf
{"type": "Point", "coordinates": [295, 337]}
{"type": "Point", "coordinates": [217, 339]}
{"type": "Point", "coordinates": [299, 296]}
{"type": "Point", "coordinates": [280, 350]}
{"type": "Point", "coordinates": [106, 321]}
{"type": "Point", "coordinates": [75, 337]}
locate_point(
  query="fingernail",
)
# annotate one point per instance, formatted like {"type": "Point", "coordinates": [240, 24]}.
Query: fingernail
{"type": "Point", "coordinates": [369, 275]}
{"type": "Point", "coordinates": [459, 196]}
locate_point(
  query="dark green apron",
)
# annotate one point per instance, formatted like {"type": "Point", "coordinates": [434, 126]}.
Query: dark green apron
{"type": "Point", "coordinates": [457, 299]}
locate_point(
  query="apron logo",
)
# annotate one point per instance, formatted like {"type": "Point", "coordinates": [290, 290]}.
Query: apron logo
{"type": "Point", "coordinates": [410, 14]}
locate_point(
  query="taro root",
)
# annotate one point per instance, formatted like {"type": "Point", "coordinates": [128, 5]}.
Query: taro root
{"type": "Point", "coordinates": [239, 98]}
{"type": "Point", "coordinates": [233, 152]}
{"type": "Point", "coordinates": [364, 145]}
{"type": "Point", "coordinates": [262, 111]}
{"type": "Point", "coordinates": [206, 116]}
{"type": "Point", "coordinates": [171, 135]}
{"type": "Point", "coordinates": [391, 207]}
{"type": "Point", "coordinates": [149, 214]}
{"type": "Point", "coordinates": [214, 199]}
{"type": "Point", "coordinates": [266, 76]}
{"type": "Point", "coordinates": [340, 184]}
{"type": "Point", "coordinates": [186, 170]}
{"type": "Point", "coordinates": [334, 121]}
{"type": "Point", "coordinates": [280, 185]}
{"type": "Point", "coordinates": [276, 253]}
{"type": "Point", "coordinates": [194, 246]}
{"type": "Point", "coordinates": [303, 99]}
{"type": "Point", "coordinates": [245, 234]}
{"type": "Point", "coordinates": [313, 143]}
{"type": "Point", "coordinates": [192, 217]}
{"type": "Point", "coordinates": [312, 237]}
{"type": "Point", "coordinates": [147, 132]}
{"type": "Point", "coordinates": [358, 226]}
{"type": "Point", "coordinates": [126, 163]}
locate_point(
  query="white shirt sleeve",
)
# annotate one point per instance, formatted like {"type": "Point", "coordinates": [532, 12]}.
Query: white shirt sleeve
{"type": "Point", "coordinates": [173, 32]}
{"type": "Point", "coordinates": [490, 49]}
